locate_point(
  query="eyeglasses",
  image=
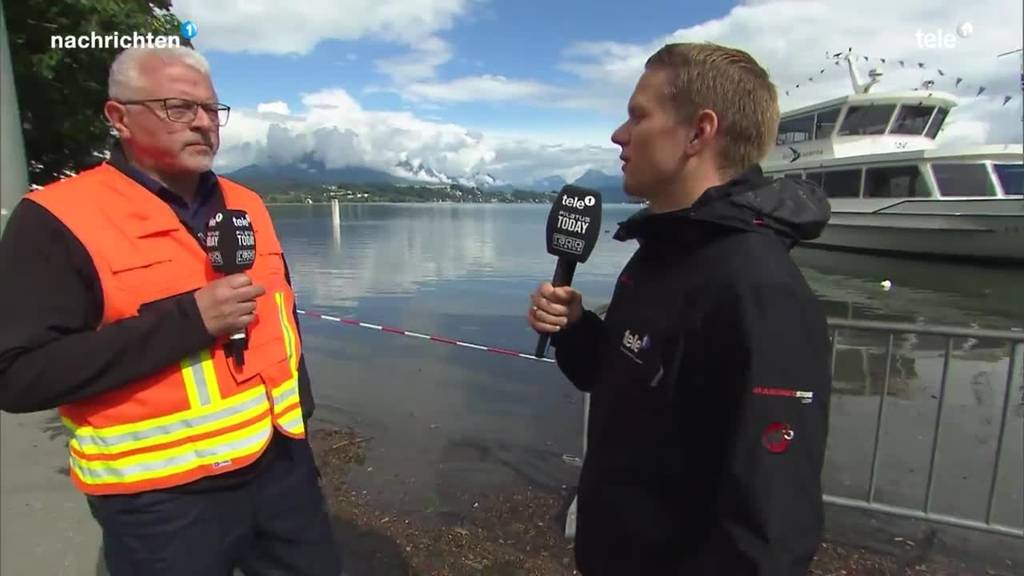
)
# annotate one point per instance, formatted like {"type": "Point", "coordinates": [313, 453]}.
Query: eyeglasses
{"type": "Point", "coordinates": [184, 111]}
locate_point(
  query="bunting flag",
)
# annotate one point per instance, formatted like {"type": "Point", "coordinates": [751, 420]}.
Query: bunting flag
{"type": "Point", "coordinates": [928, 85]}
{"type": "Point", "coordinates": [958, 82]}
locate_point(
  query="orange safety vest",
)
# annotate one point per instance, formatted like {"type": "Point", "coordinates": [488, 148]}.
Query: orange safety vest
{"type": "Point", "coordinates": [201, 416]}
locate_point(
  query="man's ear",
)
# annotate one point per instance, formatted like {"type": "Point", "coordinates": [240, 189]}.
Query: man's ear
{"type": "Point", "coordinates": [116, 114]}
{"type": "Point", "coordinates": [705, 128]}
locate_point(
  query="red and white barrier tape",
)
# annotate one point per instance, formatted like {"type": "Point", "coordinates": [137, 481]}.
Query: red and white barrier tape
{"type": "Point", "coordinates": [430, 337]}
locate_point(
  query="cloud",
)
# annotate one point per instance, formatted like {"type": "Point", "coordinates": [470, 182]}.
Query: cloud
{"type": "Point", "coordinates": [419, 64]}
{"type": "Point", "coordinates": [277, 107]}
{"type": "Point", "coordinates": [791, 38]}
{"type": "Point", "coordinates": [335, 129]}
{"type": "Point", "coordinates": [489, 88]}
{"type": "Point", "coordinates": [296, 28]}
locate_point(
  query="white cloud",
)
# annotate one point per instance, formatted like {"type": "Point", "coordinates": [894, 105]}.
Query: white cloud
{"type": "Point", "coordinates": [335, 129]}
{"type": "Point", "coordinates": [276, 107]}
{"type": "Point", "coordinates": [266, 27]}
{"type": "Point", "coordinates": [791, 37]}
{"type": "Point", "coordinates": [488, 88]}
{"type": "Point", "coordinates": [419, 64]}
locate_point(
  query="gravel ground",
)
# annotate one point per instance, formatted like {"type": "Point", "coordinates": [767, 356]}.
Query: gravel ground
{"type": "Point", "coordinates": [514, 534]}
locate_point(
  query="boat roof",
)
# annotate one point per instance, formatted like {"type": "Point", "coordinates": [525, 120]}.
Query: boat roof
{"type": "Point", "coordinates": [919, 96]}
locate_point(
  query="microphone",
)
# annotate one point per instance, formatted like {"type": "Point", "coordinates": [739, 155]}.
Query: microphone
{"type": "Point", "coordinates": [231, 247]}
{"type": "Point", "coordinates": [574, 225]}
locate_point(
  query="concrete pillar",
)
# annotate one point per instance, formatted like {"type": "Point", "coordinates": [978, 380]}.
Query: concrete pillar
{"type": "Point", "coordinates": [13, 167]}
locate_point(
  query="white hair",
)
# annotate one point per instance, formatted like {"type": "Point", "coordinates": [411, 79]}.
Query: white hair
{"type": "Point", "coordinates": [125, 80]}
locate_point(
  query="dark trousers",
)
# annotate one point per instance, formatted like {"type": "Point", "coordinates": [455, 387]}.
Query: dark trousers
{"type": "Point", "coordinates": [274, 523]}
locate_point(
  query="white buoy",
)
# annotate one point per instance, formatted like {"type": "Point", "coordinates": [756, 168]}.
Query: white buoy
{"type": "Point", "coordinates": [886, 285]}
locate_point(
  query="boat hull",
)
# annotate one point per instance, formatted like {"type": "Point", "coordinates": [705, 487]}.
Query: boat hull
{"type": "Point", "coordinates": [974, 230]}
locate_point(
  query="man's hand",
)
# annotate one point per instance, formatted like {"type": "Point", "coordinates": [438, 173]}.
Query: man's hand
{"type": "Point", "coordinates": [227, 304]}
{"type": "Point", "coordinates": [554, 308]}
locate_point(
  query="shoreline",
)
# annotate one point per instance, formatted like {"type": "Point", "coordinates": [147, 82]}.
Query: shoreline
{"type": "Point", "coordinates": [520, 533]}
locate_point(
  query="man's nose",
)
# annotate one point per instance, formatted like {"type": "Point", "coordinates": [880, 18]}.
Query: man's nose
{"type": "Point", "coordinates": [620, 137]}
{"type": "Point", "coordinates": [204, 120]}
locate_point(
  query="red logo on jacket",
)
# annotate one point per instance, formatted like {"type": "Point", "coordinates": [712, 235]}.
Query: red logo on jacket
{"type": "Point", "coordinates": [777, 436]}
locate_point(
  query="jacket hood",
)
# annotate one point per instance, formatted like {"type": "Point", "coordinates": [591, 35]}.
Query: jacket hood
{"type": "Point", "coordinates": [792, 209]}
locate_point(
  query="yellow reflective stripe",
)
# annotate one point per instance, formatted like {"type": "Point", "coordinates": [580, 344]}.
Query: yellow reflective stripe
{"type": "Point", "coordinates": [182, 429]}
{"type": "Point", "coordinates": [200, 379]}
{"type": "Point", "coordinates": [286, 395]}
{"type": "Point", "coordinates": [112, 436]}
{"type": "Point", "coordinates": [141, 467]}
{"type": "Point", "coordinates": [289, 337]}
{"type": "Point", "coordinates": [191, 388]}
{"type": "Point", "coordinates": [211, 377]}
{"type": "Point", "coordinates": [294, 423]}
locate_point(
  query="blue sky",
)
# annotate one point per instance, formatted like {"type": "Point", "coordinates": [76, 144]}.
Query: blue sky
{"type": "Point", "coordinates": [529, 88]}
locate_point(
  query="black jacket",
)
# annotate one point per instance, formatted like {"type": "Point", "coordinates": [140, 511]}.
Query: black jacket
{"type": "Point", "coordinates": [709, 380]}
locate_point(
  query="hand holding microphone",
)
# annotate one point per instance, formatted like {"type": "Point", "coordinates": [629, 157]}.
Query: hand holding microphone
{"type": "Point", "coordinates": [230, 301]}
{"type": "Point", "coordinates": [573, 227]}
{"type": "Point", "coordinates": [227, 304]}
{"type": "Point", "coordinates": [553, 309]}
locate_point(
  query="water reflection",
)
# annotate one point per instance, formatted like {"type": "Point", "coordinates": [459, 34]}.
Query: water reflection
{"type": "Point", "coordinates": [448, 419]}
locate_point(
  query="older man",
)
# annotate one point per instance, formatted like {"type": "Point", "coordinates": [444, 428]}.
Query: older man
{"type": "Point", "coordinates": [192, 464]}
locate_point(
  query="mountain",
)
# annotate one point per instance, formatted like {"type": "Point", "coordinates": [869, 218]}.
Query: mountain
{"type": "Point", "coordinates": [423, 173]}
{"type": "Point", "coordinates": [548, 184]}
{"type": "Point", "coordinates": [609, 186]}
{"type": "Point", "coordinates": [307, 171]}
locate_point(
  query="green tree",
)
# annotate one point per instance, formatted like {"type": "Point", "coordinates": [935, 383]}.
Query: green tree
{"type": "Point", "coordinates": [61, 91]}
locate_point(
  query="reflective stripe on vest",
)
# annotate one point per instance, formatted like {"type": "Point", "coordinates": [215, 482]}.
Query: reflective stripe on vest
{"type": "Point", "coordinates": [287, 408]}
{"type": "Point", "coordinates": [220, 449]}
{"type": "Point", "coordinates": [112, 440]}
{"type": "Point", "coordinates": [200, 379]}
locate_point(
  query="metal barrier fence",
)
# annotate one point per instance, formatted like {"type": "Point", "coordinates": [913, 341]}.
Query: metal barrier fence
{"type": "Point", "coordinates": [1015, 340]}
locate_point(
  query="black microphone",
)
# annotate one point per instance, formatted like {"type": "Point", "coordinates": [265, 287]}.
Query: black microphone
{"type": "Point", "coordinates": [574, 225]}
{"type": "Point", "coordinates": [231, 246]}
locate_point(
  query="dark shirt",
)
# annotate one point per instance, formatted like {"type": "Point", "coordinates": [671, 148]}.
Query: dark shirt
{"type": "Point", "coordinates": [51, 302]}
{"type": "Point", "coordinates": [194, 215]}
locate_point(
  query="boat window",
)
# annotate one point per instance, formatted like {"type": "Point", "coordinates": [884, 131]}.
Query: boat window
{"type": "Point", "coordinates": [912, 119]}
{"type": "Point", "coordinates": [963, 180]}
{"type": "Point", "coordinates": [1011, 176]}
{"type": "Point", "coordinates": [795, 130]}
{"type": "Point", "coordinates": [842, 183]}
{"type": "Point", "coordinates": [862, 120]}
{"type": "Point", "coordinates": [825, 123]}
{"type": "Point", "coordinates": [793, 176]}
{"type": "Point", "coordinates": [936, 123]}
{"type": "Point", "coordinates": [815, 177]}
{"type": "Point", "coordinates": [895, 182]}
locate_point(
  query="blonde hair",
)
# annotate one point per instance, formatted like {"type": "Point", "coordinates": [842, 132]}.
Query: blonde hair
{"type": "Point", "coordinates": [125, 80]}
{"type": "Point", "coordinates": [734, 86]}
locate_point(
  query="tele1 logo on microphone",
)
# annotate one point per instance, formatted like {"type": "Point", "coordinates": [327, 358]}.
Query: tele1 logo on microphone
{"type": "Point", "coordinates": [578, 203]}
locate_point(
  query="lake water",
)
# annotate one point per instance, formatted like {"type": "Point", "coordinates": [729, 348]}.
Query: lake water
{"type": "Point", "coordinates": [448, 421]}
